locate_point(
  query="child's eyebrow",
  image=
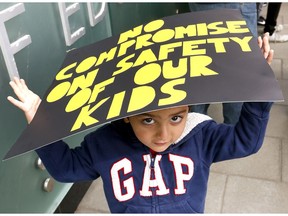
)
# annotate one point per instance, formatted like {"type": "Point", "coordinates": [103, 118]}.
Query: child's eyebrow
{"type": "Point", "coordinates": [145, 115]}
{"type": "Point", "coordinates": [173, 114]}
{"type": "Point", "coordinates": [180, 112]}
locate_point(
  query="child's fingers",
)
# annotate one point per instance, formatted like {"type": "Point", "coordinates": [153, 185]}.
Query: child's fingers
{"type": "Point", "coordinates": [14, 86]}
{"type": "Point", "coordinates": [263, 43]}
{"type": "Point", "coordinates": [15, 102]}
{"type": "Point", "coordinates": [20, 88]}
{"type": "Point", "coordinates": [270, 57]}
{"type": "Point", "coordinates": [266, 45]}
{"type": "Point", "coordinates": [260, 42]}
{"type": "Point", "coordinates": [17, 89]}
{"type": "Point", "coordinates": [17, 82]}
{"type": "Point", "coordinates": [23, 84]}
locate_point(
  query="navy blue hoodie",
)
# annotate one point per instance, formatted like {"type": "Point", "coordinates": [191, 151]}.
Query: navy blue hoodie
{"type": "Point", "coordinates": [174, 181]}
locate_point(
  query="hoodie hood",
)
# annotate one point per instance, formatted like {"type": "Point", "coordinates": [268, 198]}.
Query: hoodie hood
{"type": "Point", "coordinates": [193, 119]}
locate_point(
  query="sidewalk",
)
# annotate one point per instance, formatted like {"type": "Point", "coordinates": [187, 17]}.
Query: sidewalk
{"type": "Point", "coordinates": [257, 184]}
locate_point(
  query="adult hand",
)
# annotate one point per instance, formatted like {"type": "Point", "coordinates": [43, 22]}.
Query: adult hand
{"type": "Point", "coordinates": [28, 101]}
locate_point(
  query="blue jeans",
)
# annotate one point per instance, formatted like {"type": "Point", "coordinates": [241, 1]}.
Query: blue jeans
{"type": "Point", "coordinates": [231, 111]}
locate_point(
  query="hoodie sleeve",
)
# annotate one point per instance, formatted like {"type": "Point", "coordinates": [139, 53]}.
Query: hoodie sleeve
{"type": "Point", "coordinates": [68, 165]}
{"type": "Point", "coordinates": [224, 142]}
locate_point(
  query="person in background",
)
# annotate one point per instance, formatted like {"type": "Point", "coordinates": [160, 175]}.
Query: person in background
{"type": "Point", "coordinates": [231, 111]}
{"type": "Point", "coordinates": [271, 23]}
{"type": "Point", "coordinates": [260, 19]}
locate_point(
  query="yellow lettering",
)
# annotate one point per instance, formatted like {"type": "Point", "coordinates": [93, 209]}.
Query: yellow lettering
{"type": "Point", "coordinates": [163, 35]}
{"type": "Point", "coordinates": [180, 31]}
{"type": "Point", "coordinates": [192, 47]}
{"type": "Point", "coordinates": [147, 74]}
{"type": "Point", "coordinates": [130, 34]}
{"type": "Point", "coordinates": [137, 101]}
{"type": "Point", "coordinates": [218, 29]}
{"type": "Point", "coordinates": [82, 82]}
{"type": "Point", "coordinates": [106, 56]}
{"type": "Point", "coordinates": [153, 25]}
{"type": "Point", "coordinates": [116, 105]}
{"type": "Point", "coordinates": [244, 43]}
{"type": "Point", "coordinates": [86, 64]}
{"type": "Point", "coordinates": [202, 29]}
{"type": "Point", "coordinates": [61, 74]}
{"type": "Point", "coordinates": [124, 46]}
{"type": "Point", "coordinates": [58, 92]}
{"type": "Point", "coordinates": [146, 56]}
{"type": "Point", "coordinates": [143, 41]}
{"type": "Point", "coordinates": [84, 116]}
{"type": "Point", "coordinates": [219, 44]}
{"type": "Point", "coordinates": [99, 87]}
{"type": "Point", "coordinates": [198, 66]}
{"type": "Point", "coordinates": [167, 48]}
{"type": "Point", "coordinates": [124, 64]}
{"type": "Point", "coordinates": [170, 72]}
{"type": "Point", "coordinates": [175, 95]}
{"type": "Point", "coordinates": [235, 26]}
{"type": "Point", "coordinates": [78, 100]}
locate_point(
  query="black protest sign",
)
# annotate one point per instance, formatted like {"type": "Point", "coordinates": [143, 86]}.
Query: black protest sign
{"type": "Point", "coordinates": [192, 58]}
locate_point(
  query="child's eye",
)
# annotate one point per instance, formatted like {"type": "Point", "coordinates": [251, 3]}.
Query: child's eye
{"type": "Point", "coordinates": [148, 121]}
{"type": "Point", "coordinates": [176, 119]}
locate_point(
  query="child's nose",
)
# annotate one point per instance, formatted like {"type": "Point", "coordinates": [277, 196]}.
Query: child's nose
{"type": "Point", "coordinates": [162, 132]}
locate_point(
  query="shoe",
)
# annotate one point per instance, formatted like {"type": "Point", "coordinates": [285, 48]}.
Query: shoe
{"type": "Point", "coordinates": [279, 27]}
{"type": "Point", "coordinates": [278, 37]}
{"type": "Point", "coordinates": [261, 21]}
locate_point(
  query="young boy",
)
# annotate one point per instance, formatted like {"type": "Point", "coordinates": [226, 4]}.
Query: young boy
{"type": "Point", "coordinates": [156, 162]}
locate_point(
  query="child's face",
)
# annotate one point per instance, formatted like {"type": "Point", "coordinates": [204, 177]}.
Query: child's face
{"type": "Point", "coordinates": [159, 129]}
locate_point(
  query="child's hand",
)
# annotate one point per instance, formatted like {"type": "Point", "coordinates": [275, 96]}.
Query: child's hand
{"type": "Point", "coordinates": [264, 45]}
{"type": "Point", "coordinates": [29, 101]}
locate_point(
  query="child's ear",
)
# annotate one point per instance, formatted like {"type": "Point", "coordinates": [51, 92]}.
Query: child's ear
{"type": "Point", "coordinates": [126, 120]}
